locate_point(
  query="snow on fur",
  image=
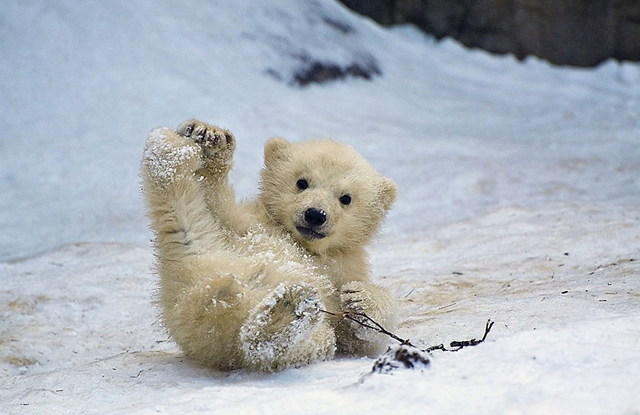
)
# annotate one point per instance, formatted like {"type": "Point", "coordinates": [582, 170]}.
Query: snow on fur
{"type": "Point", "coordinates": [162, 160]}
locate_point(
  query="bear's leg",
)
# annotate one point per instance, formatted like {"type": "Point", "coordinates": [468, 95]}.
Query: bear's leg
{"type": "Point", "coordinates": [287, 329]}
{"type": "Point", "coordinates": [175, 198]}
{"type": "Point", "coordinates": [218, 146]}
{"type": "Point", "coordinates": [203, 297]}
{"type": "Point", "coordinates": [205, 318]}
{"type": "Point", "coordinates": [376, 303]}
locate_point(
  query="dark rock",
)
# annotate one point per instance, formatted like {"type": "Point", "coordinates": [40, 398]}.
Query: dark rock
{"type": "Point", "coordinates": [401, 356]}
{"type": "Point", "coordinates": [319, 47]}
{"type": "Point", "coordinates": [382, 11]}
{"type": "Point", "coordinates": [566, 32]}
{"type": "Point", "coordinates": [321, 72]}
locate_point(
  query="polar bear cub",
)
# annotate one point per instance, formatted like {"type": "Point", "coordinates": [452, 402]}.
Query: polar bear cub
{"type": "Point", "coordinates": [262, 284]}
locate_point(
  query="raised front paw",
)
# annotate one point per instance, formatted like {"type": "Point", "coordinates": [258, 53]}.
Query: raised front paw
{"type": "Point", "coordinates": [217, 144]}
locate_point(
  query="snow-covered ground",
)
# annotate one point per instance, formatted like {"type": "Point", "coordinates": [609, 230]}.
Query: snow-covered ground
{"type": "Point", "coordinates": [519, 202]}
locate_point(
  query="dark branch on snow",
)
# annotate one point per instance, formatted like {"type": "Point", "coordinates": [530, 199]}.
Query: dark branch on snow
{"type": "Point", "coordinates": [364, 320]}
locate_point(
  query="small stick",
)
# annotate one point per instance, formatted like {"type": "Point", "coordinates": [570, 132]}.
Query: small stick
{"type": "Point", "coordinates": [364, 320]}
{"type": "Point", "coordinates": [473, 342]}
{"type": "Point", "coordinates": [353, 316]}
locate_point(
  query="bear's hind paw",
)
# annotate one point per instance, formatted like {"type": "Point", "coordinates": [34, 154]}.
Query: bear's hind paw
{"type": "Point", "coordinates": [287, 329]}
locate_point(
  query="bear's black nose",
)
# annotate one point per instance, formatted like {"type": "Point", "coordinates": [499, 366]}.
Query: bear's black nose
{"type": "Point", "coordinates": [315, 217]}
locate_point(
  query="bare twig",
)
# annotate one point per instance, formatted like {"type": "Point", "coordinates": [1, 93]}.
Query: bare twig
{"type": "Point", "coordinates": [364, 320]}
{"type": "Point", "coordinates": [457, 345]}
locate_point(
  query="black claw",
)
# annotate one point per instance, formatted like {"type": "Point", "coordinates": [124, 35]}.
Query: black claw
{"type": "Point", "coordinates": [200, 133]}
{"type": "Point", "coordinates": [207, 137]}
{"type": "Point", "coordinates": [215, 138]}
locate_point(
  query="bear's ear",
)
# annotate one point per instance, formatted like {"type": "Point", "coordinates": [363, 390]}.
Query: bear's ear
{"type": "Point", "coordinates": [388, 192]}
{"type": "Point", "coordinates": [275, 148]}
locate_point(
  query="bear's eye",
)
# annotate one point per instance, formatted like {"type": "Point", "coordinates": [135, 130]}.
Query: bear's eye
{"type": "Point", "coordinates": [302, 184]}
{"type": "Point", "coordinates": [345, 199]}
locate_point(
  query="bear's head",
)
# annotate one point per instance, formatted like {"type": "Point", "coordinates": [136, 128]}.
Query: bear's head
{"type": "Point", "coordinates": [324, 193]}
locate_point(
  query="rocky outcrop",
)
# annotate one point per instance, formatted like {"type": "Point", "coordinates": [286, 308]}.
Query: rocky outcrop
{"type": "Point", "coordinates": [565, 32]}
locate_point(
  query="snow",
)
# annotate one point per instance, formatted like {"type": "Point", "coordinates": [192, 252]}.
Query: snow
{"type": "Point", "coordinates": [519, 195]}
{"type": "Point", "coordinates": [155, 156]}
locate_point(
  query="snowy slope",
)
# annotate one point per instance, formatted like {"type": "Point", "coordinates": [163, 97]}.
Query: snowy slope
{"type": "Point", "coordinates": [519, 202]}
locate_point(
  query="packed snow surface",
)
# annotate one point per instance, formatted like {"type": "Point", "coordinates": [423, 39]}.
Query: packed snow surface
{"type": "Point", "coordinates": [519, 202]}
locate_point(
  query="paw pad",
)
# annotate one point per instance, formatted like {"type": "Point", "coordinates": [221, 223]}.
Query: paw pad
{"type": "Point", "coordinates": [281, 324]}
{"type": "Point", "coordinates": [212, 139]}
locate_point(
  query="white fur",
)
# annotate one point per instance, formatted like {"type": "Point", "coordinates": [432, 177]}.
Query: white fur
{"type": "Point", "coordinates": [240, 286]}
